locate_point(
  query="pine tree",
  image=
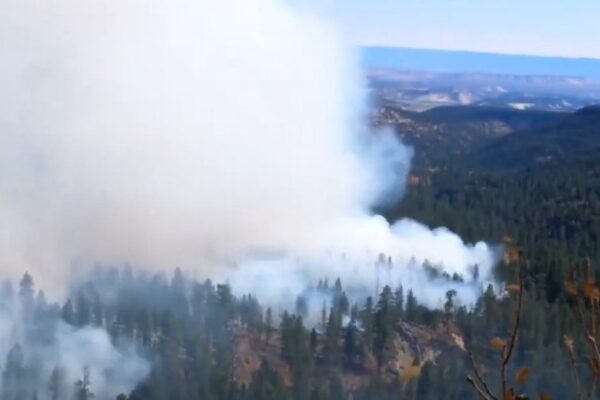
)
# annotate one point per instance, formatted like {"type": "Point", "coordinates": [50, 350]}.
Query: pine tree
{"type": "Point", "coordinates": [426, 386]}
{"type": "Point", "coordinates": [267, 384]}
{"type": "Point", "coordinates": [84, 309]}
{"type": "Point", "coordinates": [351, 343]}
{"type": "Point", "coordinates": [449, 304]}
{"type": "Point", "coordinates": [301, 306]}
{"type": "Point", "coordinates": [313, 341]}
{"type": "Point", "coordinates": [57, 385]}
{"type": "Point", "coordinates": [412, 308]}
{"type": "Point", "coordinates": [68, 313]}
{"type": "Point", "coordinates": [27, 294]}
{"type": "Point", "coordinates": [14, 374]}
{"type": "Point", "coordinates": [399, 301]}
{"type": "Point", "coordinates": [332, 337]}
{"type": "Point", "coordinates": [269, 325]}
{"type": "Point", "coordinates": [367, 321]}
{"type": "Point", "coordinates": [384, 325]}
{"type": "Point", "coordinates": [82, 386]}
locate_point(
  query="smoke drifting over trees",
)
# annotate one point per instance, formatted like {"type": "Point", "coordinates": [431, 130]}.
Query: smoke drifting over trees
{"type": "Point", "coordinates": [198, 134]}
{"type": "Point", "coordinates": [192, 134]}
{"type": "Point", "coordinates": [45, 353]}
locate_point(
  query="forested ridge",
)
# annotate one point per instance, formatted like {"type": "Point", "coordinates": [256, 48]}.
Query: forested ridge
{"type": "Point", "coordinates": [191, 330]}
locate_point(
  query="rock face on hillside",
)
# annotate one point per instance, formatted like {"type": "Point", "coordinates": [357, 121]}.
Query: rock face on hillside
{"type": "Point", "coordinates": [414, 345]}
{"type": "Point", "coordinates": [251, 349]}
{"type": "Point", "coordinates": [410, 348]}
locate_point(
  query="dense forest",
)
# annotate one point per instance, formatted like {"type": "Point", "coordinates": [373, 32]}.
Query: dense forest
{"type": "Point", "coordinates": [191, 332]}
{"type": "Point", "coordinates": [202, 342]}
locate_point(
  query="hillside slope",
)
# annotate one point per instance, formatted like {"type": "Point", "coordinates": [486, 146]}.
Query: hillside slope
{"type": "Point", "coordinates": [575, 137]}
{"type": "Point", "coordinates": [412, 345]}
{"type": "Point", "coordinates": [444, 132]}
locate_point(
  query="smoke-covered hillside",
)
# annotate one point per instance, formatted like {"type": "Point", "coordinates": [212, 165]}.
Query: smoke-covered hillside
{"type": "Point", "coordinates": [233, 142]}
{"type": "Point", "coordinates": [122, 334]}
{"type": "Point", "coordinates": [121, 331]}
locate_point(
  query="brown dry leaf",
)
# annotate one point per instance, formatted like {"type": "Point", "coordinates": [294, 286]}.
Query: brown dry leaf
{"type": "Point", "coordinates": [507, 239]}
{"type": "Point", "coordinates": [510, 395]}
{"type": "Point", "coordinates": [590, 290]}
{"type": "Point", "coordinates": [545, 397]}
{"type": "Point", "coordinates": [523, 374]}
{"type": "Point", "coordinates": [498, 343]}
{"type": "Point", "coordinates": [513, 288]}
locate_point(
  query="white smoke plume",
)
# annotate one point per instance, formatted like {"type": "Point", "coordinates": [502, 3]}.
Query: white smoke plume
{"type": "Point", "coordinates": [193, 133]}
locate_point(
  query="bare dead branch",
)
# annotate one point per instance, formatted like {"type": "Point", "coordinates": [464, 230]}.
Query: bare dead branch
{"type": "Point", "coordinates": [508, 350]}
{"type": "Point", "coordinates": [479, 377]}
{"type": "Point", "coordinates": [569, 344]}
{"type": "Point", "coordinates": [479, 391]}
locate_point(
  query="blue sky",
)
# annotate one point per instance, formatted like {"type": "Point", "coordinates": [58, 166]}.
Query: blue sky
{"type": "Point", "coordinates": [569, 28]}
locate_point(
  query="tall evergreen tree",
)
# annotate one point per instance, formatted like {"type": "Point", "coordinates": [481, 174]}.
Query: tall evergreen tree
{"type": "Point", "coordinates": [57, 387]}
{"type": "Point", "coordinates": [83, 386]}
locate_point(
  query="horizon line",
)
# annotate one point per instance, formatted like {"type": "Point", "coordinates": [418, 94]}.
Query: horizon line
{"type": "Point", "coordinates": [477, 52]}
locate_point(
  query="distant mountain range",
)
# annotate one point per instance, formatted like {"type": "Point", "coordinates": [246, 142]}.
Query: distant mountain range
{"type": "Point", "coordinates": [489, 111]}
{"type": "Point", "coordinates": [474, 62]}
{"type": "Point", "coordinates": [422, 90]}
{"type": "Point", "coordinates": [573, 138]}
{"type": "Point", "coordinates": [496, 138]}
{"type": "Point", "coordinates": [441, 134]}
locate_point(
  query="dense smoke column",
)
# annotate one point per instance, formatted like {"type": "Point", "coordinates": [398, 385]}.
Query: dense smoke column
{"type": "Point", "coordinates": [193, 134]}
